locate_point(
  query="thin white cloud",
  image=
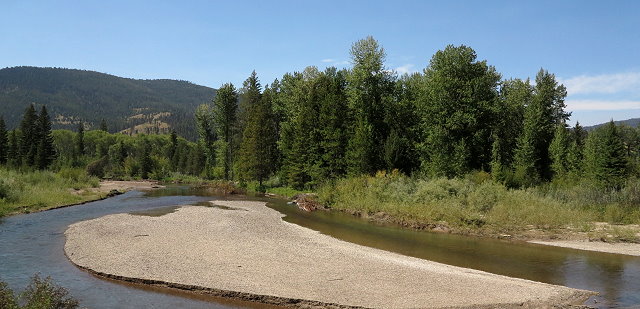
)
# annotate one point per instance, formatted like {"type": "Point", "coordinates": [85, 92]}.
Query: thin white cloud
{"type": "Point", "coordinates": [575, 105]}
{"type": "Point", "coordinates": [405, 69]}
{"type": "Point", "coordinates": [604, 84]}
{"type": "Point", "coordinates": [328, 60]}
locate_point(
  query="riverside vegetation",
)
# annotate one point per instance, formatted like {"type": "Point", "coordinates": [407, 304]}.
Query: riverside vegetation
{"type": "Point", "coordinates": [40, 294]}
{"type": "Point", "coordinates": [455, 146]}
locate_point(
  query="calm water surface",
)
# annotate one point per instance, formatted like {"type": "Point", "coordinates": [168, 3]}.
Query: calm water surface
{"type": "Point", "coordinates": [34, 243]}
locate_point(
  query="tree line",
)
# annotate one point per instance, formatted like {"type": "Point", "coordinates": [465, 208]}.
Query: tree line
{"type": "Point", "coordinates": [456, 116]}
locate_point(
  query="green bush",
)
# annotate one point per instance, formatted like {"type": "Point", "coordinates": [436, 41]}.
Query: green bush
{"type": "Point", "coordinates": [40, 294]}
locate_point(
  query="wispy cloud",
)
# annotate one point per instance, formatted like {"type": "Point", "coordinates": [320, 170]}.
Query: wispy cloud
{"type": "Point", "coordinates": [405, 69]}
{"type": "Point", "coordinates": [603, 84]}
{"type": "Point", "coordinates": [335, 62]}
{"type": "Point", "coordinates": [575, 105]}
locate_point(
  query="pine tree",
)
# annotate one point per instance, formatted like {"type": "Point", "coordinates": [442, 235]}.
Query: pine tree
{"type": "Point", "coordinates": [540, 120]}
{"type": "Point", "coordinates": [258, 146]}
{"type": "Point", "coordinates": [103, 126]}
{"type": "Point", "coordinates": [4, 143]}
{"type": "Point", "coordinates": [146, 163]}
{"type": "Point", "coordinates": [79, 141]}
{"type": "Point", "coordinates": [172, 152]}
{"type": "Point", "coordinates": [559, 151]}
{"type": "Point", "coordinates": [13, 150]}
{"type": "Point", "coordinates": [605, 156]}
{"type": "Point", "coordinates": [29, 138]}
{"type": "Point", "coordinates": [225, 108]}
{"type": "Point", "coordinates": [46, 152]}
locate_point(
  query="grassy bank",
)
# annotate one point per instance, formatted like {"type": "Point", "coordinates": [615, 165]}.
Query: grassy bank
{"type": "Point", "coordinates": [24, 192]}
{"type": "Point", "coordinates": [477, 205]}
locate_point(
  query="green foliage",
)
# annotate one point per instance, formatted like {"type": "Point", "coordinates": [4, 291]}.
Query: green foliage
{"type": "Point", "coordinates": [225, 108]}
{"type": "Point", "coordinates": [457, 107]}
{"type": "Point", "coordinates": [369, 92]}
{"type": "Point", "coordinates": [541, 117]}
{"type": "Point", "coordinates": [29, 137]}
{"type": "Point", "coordinates": [35, 190]}
{"type": "Point", "coordinates": [7, 298]}
{"type": "Point", "coordinates": [606, 157]}
{"type": "Point", "coordinates": [45, 152]}
{"type": "Point", "coordinates": [258, 146]}
{"type": "Point", "coordinates": [79, 143]}
{"type": "Point", "coordinates": [207, 133]}
{"type": "Point", "coordinates": [473, 202]}
{"type": "Point", "coordinates": [4, 142]}
{"type": "Point", "coordinates": [40, 294]}
{"type": "Point", "coordinates": [559, 151]}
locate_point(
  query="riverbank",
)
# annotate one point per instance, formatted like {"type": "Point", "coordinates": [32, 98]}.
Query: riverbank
{"type": "Point", "coordinates": [598, 246]}
{"type": "Point", "coordinates": [27, 192]}
{"type": "Point", "coordinates": [477, 206]}
{"type": "Point", "coordinates": [245, 250]}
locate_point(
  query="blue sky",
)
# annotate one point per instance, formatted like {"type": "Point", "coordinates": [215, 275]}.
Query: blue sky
{"type": "Point", "coordinates": [593, 47]}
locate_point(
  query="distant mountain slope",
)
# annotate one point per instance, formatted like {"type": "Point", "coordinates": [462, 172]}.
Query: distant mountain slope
{"type": "Point", "coordinates": [126, 104]}
{"type": "Point", "coordinates": [633, 122]}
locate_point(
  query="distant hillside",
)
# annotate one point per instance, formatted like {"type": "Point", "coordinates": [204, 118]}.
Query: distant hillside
{"type": "Point", "coordinates": [633, 122]}
{"type": "Point", "coordinates": [128, 105]}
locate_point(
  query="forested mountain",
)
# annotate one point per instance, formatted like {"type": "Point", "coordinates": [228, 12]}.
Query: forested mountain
{"type": "Point", "coordinates": [633, 122]}
{"type": "Point", "coordinates": [129, 105]}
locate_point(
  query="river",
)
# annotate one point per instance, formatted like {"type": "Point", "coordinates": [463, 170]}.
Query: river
{"type": "Point", "coordinates": [34, 243]}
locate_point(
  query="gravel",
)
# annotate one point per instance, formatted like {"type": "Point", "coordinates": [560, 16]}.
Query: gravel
{"type": "Point", "coordinates": [248, 252]}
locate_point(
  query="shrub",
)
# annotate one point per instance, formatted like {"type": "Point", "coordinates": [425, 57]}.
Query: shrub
{"type": "Point", "coordinates": [40, 294]}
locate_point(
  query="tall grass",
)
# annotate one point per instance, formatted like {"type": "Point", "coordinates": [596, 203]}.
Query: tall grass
{"type": "Point", "coordinates": [476, 202]}
{"type": "Point", "coordinates": [28, 191]}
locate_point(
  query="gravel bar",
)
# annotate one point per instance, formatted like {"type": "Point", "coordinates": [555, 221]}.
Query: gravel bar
{"type": "Point", "coordinates": [246, 251]}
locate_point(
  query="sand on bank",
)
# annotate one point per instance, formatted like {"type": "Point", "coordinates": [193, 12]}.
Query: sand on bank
{"type": "Point", "coordinates": [599, 246]}
{"type": "Point", "coordinates": [120, 185]}
{"type": "Point", "coordinates": [247, 251]}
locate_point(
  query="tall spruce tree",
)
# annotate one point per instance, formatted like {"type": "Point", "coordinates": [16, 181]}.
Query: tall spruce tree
{"type": "Point", "coordinates": [172, 151]}
{"type": "Point", "coordinates": [79, 141]}
{"type": "Point", "coordinates": [258, 146]}
{"type": "Point", "coordinates": [46, 152]}
{"type": "Point", "coordinates": [225, 108]}
{"type": "Point", "coordinates": [368, 89]}
{"type": "Point", "coordinates": [103, 126]}
{"type": "Point", "coordinates": [13, 150]}
{"type": "Point", "coordinates": [541, 117]}
{"type": "Point", "coordinates": [4, 143]}
{"type": "Point", "coordinates": [605, 156]}
{"type": "Point", "coordinates": [559, 150]}
{"type": "Point", "coordinates": [457, 108]}
{"type": "Point", "coordinates": [146, 162]}
{"type": "Point", "coordinates": [29, 136]}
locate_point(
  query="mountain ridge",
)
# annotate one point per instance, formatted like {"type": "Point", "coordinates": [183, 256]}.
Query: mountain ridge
{"type": "Point", "coordinates": [128, 105]}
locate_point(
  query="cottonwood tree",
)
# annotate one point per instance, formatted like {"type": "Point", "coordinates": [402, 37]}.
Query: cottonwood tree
{"type": "Point", "coordinates": [457, 107]}
{"type": "Point", "coordinates": [368, 93]}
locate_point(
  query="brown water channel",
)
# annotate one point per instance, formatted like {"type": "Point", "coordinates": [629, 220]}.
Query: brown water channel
{"type": "Point", "coordinates": [34, 243]}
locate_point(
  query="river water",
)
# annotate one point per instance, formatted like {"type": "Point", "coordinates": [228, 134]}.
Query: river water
{"type": "Point", "coordinates": [34, 243]}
